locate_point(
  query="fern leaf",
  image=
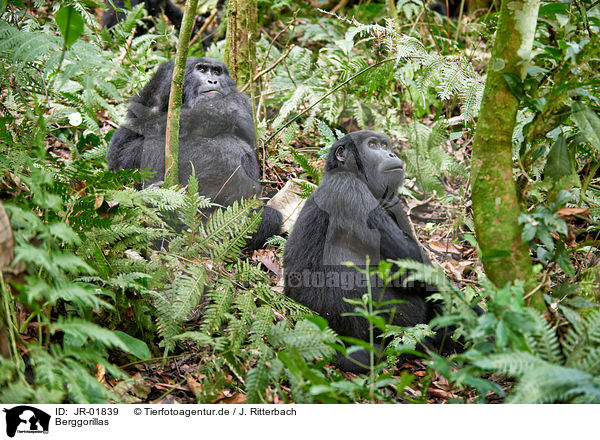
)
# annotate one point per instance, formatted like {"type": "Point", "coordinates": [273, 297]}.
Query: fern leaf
{"type": "Point", "coordinates": [220, 301]}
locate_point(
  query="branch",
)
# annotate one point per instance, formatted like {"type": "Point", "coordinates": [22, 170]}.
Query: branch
{"type": "Point", "coordinates": [268, 69]}
{"type": "Point", "coordinates": [206, 24]}
{"type": "Point", "coordinates": [336, 88]}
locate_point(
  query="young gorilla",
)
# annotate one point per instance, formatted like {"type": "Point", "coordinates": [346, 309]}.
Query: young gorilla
{"type": "Point", "coordinates": [111, 16]}
{"type": "Point", "coordinates": [216, 137]}
{"type": "Point", "coordinates": [355, 212]}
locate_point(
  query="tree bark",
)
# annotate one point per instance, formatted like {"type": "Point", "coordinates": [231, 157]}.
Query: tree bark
{"type": "Point", "coordinates": [496, 205]}
{"type": "Point", "coordinates": [240, 47]}
{"type": "Point", "coordinates": [175, 97]}
{"type": "Point", "coordinates": [241, 39]}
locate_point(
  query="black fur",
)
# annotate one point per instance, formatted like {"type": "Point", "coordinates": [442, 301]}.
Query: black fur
{"type": "Point", "coordinates": [111, 17]}
{"type": "Point", "coordinates": [355, 212]}
{"type": "Point", "coordinates": [216, 137]}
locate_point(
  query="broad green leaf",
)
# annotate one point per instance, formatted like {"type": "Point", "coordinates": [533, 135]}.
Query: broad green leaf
{"type": "Point", "coordinates": [544, 235]}
{"type": "Point", "coordinates": [552, 8]}
{"type": "Point", "coordinates": [543, 255]}
{"type": "Point", "coordinates": [528, 233]}
{"type": "Point", "coordinates": [588, 122]}
{"type": "Point", "coordinates": [515, 85]}
{"type": "Point", "coordinates": [563, 260]}
{"type": "Point", "coordinates": [134, 346]}
{"type": "Point", "coordinates": [501, 334]}
{"type": "Point", "coordinates": [503, 296]}
{"type": "Point", "coordinates": [320, 322]}
{"type": "Point", "coordinates": [70, 23]}
{"type": "Point", "coordinates": [558, 164]}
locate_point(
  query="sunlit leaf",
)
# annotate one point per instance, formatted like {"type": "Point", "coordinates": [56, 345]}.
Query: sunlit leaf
{"type": "Point", "coordinates": [588, 122]}
{"type": "Point", "coordinates": [70, 23]}
{"type": "Point", "coordinates": [558, 164]}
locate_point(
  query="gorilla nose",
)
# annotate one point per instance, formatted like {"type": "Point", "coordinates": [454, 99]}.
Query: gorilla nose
{"type": "Point", "coordinates": [212, 81]}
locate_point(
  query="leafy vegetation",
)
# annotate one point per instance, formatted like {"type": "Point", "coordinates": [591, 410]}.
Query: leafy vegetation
{"type": "Point", "coordinates": [101, 280]}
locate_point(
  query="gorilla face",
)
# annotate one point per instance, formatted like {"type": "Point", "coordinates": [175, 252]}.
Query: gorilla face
{"type": "Point", "coordinates": [206, 79]}
{"type": "Point", "coordinates": [368, 154]}
{"type": "Point", "coordinates": [383, 163]}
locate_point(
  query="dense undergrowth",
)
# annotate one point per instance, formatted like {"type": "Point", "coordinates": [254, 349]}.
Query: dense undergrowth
{"type": "Point", "coordinates": [93, 310]}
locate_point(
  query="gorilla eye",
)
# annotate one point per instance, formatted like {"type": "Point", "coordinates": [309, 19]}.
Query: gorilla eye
{"type": "Point", "coordinates": [218, 70]}
{"type": "Point", "coordinates": [372, 144]}
{"type": "Point", "coordinates": [201, 68]}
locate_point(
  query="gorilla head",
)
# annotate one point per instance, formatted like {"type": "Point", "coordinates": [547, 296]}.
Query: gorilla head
{"type": "Point", "coordinates": [373, 157]}
{"type": "Point", "coordinates": [205, 79]}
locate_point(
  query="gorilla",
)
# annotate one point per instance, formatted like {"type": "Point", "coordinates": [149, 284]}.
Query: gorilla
{"type": "Point", "coordinates": [216, 138]}
{"type": "Point", "coordinates": [111, 16]}
{"type": "Point", "coordinates": [354, 213]}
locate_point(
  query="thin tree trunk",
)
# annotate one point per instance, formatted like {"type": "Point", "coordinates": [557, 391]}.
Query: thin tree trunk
{"type": "Point", "coordinates": [240, 49]}
{"type": "Point", "coordinates": [175, 97]}
{"type": "Point", "coordinates": [496, 205]}
{"type": "Point", "coordinates": [240, 46]}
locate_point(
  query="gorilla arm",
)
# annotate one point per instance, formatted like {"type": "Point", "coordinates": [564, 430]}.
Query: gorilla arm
{"type": "Point", "coordinates": [395, 243]}
{"type": "Point", "coordinates": [127, 144]}
{"type": "Point", "coordinates": [125, 151]}
{"type": "Point", "coordinates": [174, 14]}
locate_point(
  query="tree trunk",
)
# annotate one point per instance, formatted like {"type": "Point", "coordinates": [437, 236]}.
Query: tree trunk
{"type": "Point", "coordinates": [175, 97]}
{"type": "Point", "coordinates": [496, 205]}
{"type": "Point", "coordinates": [240, 49]}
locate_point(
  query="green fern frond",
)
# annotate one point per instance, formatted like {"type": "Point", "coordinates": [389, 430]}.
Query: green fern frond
{"type": "Point", "coordinates": [174, 305]}
{"type": "Point", "coordinates": [313, 172]}
{"type": "Point", "coordinates": [246, 272]}
{"type": "Point", "coordinates": [289, 134]}
{"type": "Point", "coordinates": [228, 229]}
{"type": "Point", "coordinates": [187, 291]}
{"type": "Point", "coordinates": [545, 342]}
{"type": "Point", "coordinates": [581, 344]}
{"type": "Point", "coordinates": [512, 364]}
{"type": "Point", "coordinates": [548, 383]}
{"type": "Point", "coordinates": [238, 328]}
{"type": "Point", "coordinates": [220, 301]}
{"type": "Point", "coordinates": [290, 105]}
{"type": "Point", "coordinates": [309, 341]}
{"type": "Point", "coordinates": [125, 27]}
{"type": "Point", "coordinates": [263, 321]}
{"type": "Point", "coordinates": [305, 188]}
{"type": "Point", "coordinates": [277, 240]}
{"type": "Point", "coordinates": [279, 301]}
{"type": "Point", "coordinates": [257, 380]}
{"type": "Point", "coordinates": [325, 131]}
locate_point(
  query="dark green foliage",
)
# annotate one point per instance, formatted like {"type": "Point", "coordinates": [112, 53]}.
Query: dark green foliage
{"type": "Point", "coordinates": [543, 222]}
{"type": "Point", "coordinates": [519, 342]}
{"type": "Point", "coordinates": [310, 170]}
{"type": "Point", "coordinates": [65, 279]}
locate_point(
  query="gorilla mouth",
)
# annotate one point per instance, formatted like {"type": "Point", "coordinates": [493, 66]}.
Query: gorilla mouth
{"type": "Point", "coordinates": [393, 169]}
{"type": "Point", "coordinates": [204, 92]}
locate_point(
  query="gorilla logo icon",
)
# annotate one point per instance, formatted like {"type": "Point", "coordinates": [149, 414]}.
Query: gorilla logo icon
{"type": "Point", "coordinates": [27, 419]}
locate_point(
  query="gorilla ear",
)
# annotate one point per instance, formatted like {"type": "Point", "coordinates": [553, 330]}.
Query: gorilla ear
{"type": "Point", "coordinates": [340, 153]}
